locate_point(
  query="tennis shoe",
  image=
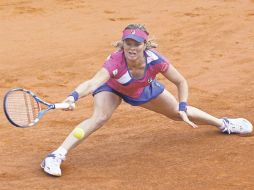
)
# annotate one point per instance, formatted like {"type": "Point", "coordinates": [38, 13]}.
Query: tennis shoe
{"type": "Point", "coordinates": [238, 126]}
{"type": "Point", "coordinates": [51, 164]}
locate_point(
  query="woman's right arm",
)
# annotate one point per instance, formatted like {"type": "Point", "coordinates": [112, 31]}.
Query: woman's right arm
{"type": "Point", "coordinates": [87, 87]}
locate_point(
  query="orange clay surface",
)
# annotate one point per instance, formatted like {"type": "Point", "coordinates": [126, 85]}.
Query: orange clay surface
{"type": "Point", "coordinates": [51, 46]}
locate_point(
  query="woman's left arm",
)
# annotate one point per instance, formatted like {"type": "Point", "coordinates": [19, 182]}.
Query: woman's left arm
{"type": "Point", "coordinates": [175, 77]}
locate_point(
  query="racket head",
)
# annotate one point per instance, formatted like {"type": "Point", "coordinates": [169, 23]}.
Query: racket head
{"type": "Point", "coordinates": [21, 107]}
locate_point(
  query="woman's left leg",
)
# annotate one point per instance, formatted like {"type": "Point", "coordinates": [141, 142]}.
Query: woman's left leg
{"type": "Point", "coordinates": [167, 105]}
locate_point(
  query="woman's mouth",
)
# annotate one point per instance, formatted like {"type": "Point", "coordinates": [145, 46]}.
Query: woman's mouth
{"type": "Point", "coordinates": [132, 54]}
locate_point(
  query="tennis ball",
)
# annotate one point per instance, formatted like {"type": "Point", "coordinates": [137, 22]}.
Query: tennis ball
{"type": "Point", "coordinates": [78, 133]}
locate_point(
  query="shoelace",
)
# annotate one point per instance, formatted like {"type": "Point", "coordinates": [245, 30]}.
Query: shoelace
{"type": "Point", "coordinates": [57, 159]}
{"type": "Point", "coordinates": [229, 127]}
{"type": "Point", "coordinates": [226, 129]}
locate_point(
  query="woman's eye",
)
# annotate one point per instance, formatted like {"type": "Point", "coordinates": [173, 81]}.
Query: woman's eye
{"type": "Point", "coordinates": [135, 45]}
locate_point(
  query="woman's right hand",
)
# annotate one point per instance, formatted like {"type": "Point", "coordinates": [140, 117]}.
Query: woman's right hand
{"type": "Point", "coordinates": [70, 100]}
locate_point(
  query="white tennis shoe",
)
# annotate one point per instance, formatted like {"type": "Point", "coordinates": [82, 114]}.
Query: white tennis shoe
{"type": "Point", "coordinates": [238, 126]}
{"type": "Point", "coordinates": [51, 164]}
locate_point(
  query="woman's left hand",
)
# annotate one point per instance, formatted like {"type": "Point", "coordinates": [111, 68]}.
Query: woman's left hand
{"type": "Point", "coordinates": [185, 118]}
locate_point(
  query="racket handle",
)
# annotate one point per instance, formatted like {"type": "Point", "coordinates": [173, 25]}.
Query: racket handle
{"type": "Point", "coordinates": [63, 105]}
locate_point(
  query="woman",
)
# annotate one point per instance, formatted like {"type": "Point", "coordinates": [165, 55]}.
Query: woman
{"type": "Point", "coordinates": [129, 74]}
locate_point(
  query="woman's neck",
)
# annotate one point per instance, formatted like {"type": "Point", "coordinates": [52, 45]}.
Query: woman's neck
{"type": "Point", "coordinates": [136, 63]}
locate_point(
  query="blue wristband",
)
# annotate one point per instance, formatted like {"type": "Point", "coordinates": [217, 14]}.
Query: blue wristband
{"type": "Point", "coordinates": [75, 95]}
{"type": "Point", "coordinates": [182, 106]}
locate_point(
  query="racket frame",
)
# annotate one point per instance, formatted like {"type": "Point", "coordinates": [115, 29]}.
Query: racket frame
{"type": "Point", "coordinates": [38, 101]}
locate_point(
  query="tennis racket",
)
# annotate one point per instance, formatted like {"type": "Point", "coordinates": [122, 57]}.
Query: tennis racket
{"type": "Point", "coordinates": [24, 109]}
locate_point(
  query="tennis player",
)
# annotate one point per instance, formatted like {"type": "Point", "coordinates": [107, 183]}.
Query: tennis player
{"type": "Point", "coordinates": [129, 74]}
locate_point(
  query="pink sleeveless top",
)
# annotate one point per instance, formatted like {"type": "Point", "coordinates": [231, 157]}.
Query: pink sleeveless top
{"type": "Point", "coordinates": [121, 79]}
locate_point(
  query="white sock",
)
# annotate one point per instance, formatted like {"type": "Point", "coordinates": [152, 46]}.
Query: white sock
{"type": "Point", "coordinates": [62, 151]}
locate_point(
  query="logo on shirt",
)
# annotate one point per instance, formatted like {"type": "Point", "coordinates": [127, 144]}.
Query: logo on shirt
{"type": "Point", "coordinates": [115, 72]}
{"type": "Point", "coordinates": [150, 80]}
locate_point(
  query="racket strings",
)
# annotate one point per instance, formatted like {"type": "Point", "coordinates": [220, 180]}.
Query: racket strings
{"type": "Point", "coordinates": [22, 108]}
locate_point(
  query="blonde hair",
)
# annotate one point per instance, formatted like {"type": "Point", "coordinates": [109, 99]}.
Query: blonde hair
{"type": "Point", "coordinates": [150, 43]}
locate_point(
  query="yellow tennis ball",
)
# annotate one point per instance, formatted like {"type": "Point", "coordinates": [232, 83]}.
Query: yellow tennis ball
{"type": "Point", "coordinates": [79, 133]}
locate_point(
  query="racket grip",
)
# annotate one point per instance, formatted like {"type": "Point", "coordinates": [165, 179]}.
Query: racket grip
{"type": "Point", "coordinates": [63, 105]}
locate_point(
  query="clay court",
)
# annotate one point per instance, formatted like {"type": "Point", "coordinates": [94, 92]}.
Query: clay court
{"type": "Point", "coordinates": [51, 46]}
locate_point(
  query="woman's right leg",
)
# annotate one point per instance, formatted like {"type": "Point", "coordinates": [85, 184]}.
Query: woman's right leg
{"type": "Point", "coordinates": [104, 105]}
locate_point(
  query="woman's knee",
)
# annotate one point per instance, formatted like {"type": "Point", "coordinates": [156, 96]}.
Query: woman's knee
{"type": "Point", "coordinates": [100, 119]}
{"type": "Point", "coordinates": [174, 115]}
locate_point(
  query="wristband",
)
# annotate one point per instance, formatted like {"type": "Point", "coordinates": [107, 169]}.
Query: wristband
{"type": "Point", "coordinates": [183, 106]}
{"type": "Point", "coordinates": [75, 95]}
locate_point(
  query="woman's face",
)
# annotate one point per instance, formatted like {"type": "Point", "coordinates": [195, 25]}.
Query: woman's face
{"type": "Point", "coordinates": [133, 50]}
